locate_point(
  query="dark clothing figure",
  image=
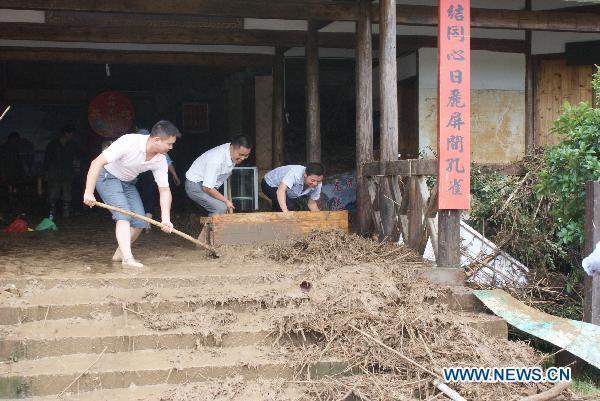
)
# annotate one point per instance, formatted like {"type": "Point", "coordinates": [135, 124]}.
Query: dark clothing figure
{"type": "Point", "coordinates": [271, 192]}
{"type": "Point", "coordinates": [12, 171]}
{"type": "Point", "coordinates": [60, 163]}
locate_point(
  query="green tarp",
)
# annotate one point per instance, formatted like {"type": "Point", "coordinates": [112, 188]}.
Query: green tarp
{"type": "Point", "coordinates": [579, 338]}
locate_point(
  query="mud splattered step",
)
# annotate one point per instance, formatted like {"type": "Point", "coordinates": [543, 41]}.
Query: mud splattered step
{"type": "Point", "coordinates": [83, 302]}
{"type": "Point", "coordinates": [50, 376]}
{"type": "Point", "coordinates": [165, 278]}
{"type": "Point", "coordinates": [230, 389]}
{"type": "Point", "coordinates": [130, 332]}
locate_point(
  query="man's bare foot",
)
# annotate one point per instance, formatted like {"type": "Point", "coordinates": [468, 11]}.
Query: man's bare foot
{"type": "Point", "coordinates": [131, 262]}
{"type": "Point", "coordinates": [117, 257]}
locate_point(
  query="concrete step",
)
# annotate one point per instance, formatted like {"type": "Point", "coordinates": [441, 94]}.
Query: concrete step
{"type": "Point", "coordinates": [491, 325]}
{"type": "Point", "coordinates": [236, 389]}
{"type": "Point", "coordinates": [83, 302]}
{"type": "Point", "coordinates": [49, 376]}
{"type": "Point", "coordinates": [460, 299]}
{"type": "Point", "coordinates": [128, 332]}
{"type": "Point", "coordinates": [166, 278]}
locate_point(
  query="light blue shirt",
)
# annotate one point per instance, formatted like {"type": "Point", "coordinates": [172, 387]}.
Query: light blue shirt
{"type": "Point", "coordinates": [293, 178]}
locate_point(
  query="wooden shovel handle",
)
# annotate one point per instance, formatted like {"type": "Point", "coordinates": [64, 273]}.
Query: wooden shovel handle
{"type": "Point", "coordinates": [157, 224]}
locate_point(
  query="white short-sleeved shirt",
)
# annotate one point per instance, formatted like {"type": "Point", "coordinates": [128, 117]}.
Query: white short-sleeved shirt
{"type": "Point", "coordinates": [127, 159]}
{"type": "Point", "coordinates": [212, 168]}
{"type": "Point", "coordinates": [293, 177]}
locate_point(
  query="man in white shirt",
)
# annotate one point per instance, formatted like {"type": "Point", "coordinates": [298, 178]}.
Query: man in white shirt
{"type": "Point", "coordinates": [209, 171]}
{"type": "Point", "coordinates": [114, 174]}
{"type": "Point", "coordinates": [286, 184]}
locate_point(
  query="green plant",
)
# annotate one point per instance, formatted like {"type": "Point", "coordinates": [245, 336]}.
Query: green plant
{"type": "Point", "coordinates": [570, 164]}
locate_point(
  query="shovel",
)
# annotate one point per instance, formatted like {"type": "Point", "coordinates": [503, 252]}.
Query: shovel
{"type": "Point", "coordinates": [209, 248]}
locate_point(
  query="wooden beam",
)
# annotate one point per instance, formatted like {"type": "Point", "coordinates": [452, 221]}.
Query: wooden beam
{"type": "Point", "coordinates": [278, 107]}
{"type": "Point", "coordinates": [591, 299]}
{"type": "Point", "coordinates": [313, 107]}
{"type": "Point", "coordinates": [134, 57]}
{"type": "Point", "coordinates": [414, 167]}
{"type": "Point", "coordinates": [293, 10]}
{"type": "Point", "coordinates": [203, 36]}
{"type": "Point", "coordinates": [551, 20]}
{"type": "Point", "coordinates": [364, 112]}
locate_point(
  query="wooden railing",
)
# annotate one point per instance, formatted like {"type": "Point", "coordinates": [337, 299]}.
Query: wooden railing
{"type": "Point", "coordinates": [415, 205]}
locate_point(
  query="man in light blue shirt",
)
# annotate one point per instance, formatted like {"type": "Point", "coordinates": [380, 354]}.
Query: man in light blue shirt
{"type": "Point", "coordinates": [285, 184]}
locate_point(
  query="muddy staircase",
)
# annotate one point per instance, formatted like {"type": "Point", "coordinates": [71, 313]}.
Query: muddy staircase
{"type": "Point", "coordinates": [120, 336]}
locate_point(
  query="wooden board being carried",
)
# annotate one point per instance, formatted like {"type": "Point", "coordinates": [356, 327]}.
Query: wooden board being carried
{"type": "Point", "coordinates": [252, 228]}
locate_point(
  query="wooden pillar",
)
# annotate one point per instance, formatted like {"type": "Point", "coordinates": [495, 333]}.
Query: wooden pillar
{"type": "Point", "coordinates": [364, 112]}
{"type": "Point", "coordinates": [448, 238]}
{"type": "Point", "coordinates": [278, 106]}
{"type": "Point", "coordinates": [591, 297]}
{"type": "Point", "coordinates": [529, 92]}
{"type": "Point", "coordinates": [313, 109]}
{"type": "Point", "coordinates": [388, 90]}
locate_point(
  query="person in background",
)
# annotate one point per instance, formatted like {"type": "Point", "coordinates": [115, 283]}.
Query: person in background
{"type": "Point", "coordinates": [147, 187]}
{"type": "Point", "coordinates": [208, 173]}
{"type": "Point", "coordinates": [113, 173]}
{"type": "Point", "coordinates": [61, 164]}
{"type": "Point", "coordinates": [285, 184]}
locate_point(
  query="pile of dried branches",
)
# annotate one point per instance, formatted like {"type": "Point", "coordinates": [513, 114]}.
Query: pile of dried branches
{"type": "Point", "coordinates": [335, 247]}
{"type": "Point", "coordinates": [385, 322]}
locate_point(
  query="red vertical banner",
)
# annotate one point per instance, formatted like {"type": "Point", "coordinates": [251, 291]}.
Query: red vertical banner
{"type": "Point", "coordinates": [454, 104]}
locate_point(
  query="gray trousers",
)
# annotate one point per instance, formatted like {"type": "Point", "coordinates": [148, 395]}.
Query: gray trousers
{"type": "Point", "coordinates": [56, 188]}
{"type": "Point", "coordinates": [211, 205]}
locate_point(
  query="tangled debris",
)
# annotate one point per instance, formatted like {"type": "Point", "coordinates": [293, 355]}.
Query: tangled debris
{"type": "Point", "coordinates": [363, 287]}
{"type": "Point", "coordinates": [335, 248]}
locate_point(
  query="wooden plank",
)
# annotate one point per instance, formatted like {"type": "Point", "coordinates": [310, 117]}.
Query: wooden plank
{"type": "Point", "coordinates": [555, 82]}
{"type": "Point", "coordinates": [295, 10]}
{"type": "Point", "coordinates": [313, 107]}
{"type": "Point", "coordinates": [252, 228]}
{"type": "Point", "coordinates": [430, 223]}
{"type": "Point", "coordinates": [278, 102]}
{"type": "Point", "coordinates": [591, 300]}
{"type": "Point", "coordinates": [415, 213]}
{"type": "Point", "coordinates": [364, 112]}
{"type": "Point", "coordinates": [401, 204]}
{"type": "Point", "coordinates": [88, 56]}
{"type": "Point", "coordinates": [374, 207]}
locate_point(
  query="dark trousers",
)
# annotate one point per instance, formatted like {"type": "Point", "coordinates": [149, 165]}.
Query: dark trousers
{"type": "Point", "coordinates": [271, 193]}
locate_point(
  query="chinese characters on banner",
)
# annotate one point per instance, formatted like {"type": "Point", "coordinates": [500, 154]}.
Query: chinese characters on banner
{"type": "Point", "coordinates": [454, 104]}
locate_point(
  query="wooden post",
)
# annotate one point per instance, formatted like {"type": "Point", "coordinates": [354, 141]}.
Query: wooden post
{"type": "Point", "coordinates": [591, 299]}
{"type": "Point", "coordinates": [278, 106]}
{"type": "Point", "coordinates": [448, 238]}
{"type": "Point", "coordinates": [364, 112]}
{"type": "Point", "coordinates": [529, 93]}
{"type": "Point", "coordinates": [388, 94]}
{"type": "Point", "coordinates": [313, 109]}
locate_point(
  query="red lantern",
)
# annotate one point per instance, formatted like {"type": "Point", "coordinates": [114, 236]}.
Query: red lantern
{"type": "Point", "coordinates": [111, 114]}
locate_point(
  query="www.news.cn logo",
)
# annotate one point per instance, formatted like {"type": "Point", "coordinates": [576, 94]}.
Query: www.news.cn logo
{"type": "Point", "coordinates": [506, 375]}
